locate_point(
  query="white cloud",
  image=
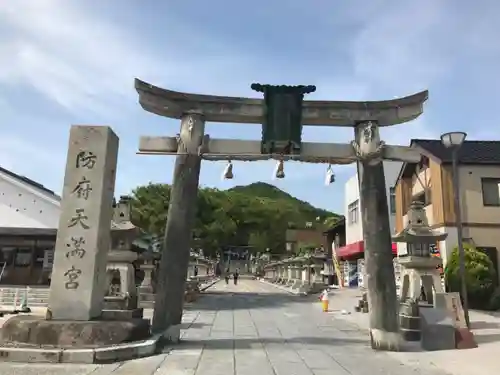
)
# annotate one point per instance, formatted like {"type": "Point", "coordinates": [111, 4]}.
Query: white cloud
{"type": "Point", "coordinates": [33, 160]}
{"type": "Point", "coordinates": [79, 60]}
{"type": "Point", "coordinates": [73, 60]}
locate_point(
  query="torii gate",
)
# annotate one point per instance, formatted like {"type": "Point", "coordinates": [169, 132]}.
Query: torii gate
{"type": "Point", "coordinates": [282, 114]}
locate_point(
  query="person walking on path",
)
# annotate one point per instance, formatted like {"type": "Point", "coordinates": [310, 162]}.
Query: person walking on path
{"type": "Point", "coordinates": [235, 276]}
{"type": "Point", "coordinates": [226, 276]}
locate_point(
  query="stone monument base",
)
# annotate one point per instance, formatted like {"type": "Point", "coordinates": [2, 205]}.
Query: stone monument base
{"type": "Point", "coordinates": [122, 315]}
{"type": "Point", "coordinates": [37, 331]}
{"type": "Point", "coordinates": [464, 339]}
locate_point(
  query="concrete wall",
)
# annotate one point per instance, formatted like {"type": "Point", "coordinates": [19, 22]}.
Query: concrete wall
{"type": "Point", "coordinates": [305, 236]}
{"type": "Point", "coordinates": [481, 223]}
{"type": "Point", "coordinates": [354, 231]}
{"type": "Point", "coordinates": [24, 206]}
{"type": "Point", "coordinates": [473, 210]}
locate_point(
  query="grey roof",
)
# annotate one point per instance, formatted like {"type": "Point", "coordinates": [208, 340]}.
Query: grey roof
{"type": "Point", "coordinates": [30, 182]}
{"type": "Point", "coordinates": [15, 231]}
{"type": "Point", "coordinates": [471, 152]}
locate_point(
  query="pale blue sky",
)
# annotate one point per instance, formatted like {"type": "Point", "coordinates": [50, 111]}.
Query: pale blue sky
{"type": "Point", "coordinates": [74, 62]}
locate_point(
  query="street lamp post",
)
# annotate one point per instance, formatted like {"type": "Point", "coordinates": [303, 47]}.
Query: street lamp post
{"type": "Point", "coordinates": [454, 141]}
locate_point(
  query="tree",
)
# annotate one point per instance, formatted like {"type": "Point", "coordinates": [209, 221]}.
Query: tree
{"type": "Point", "coordinates": [480, 275]}
{"type": "Point", "coordinates": [149, 207]}
{"type": "Point", "coordinates": [257, 215]}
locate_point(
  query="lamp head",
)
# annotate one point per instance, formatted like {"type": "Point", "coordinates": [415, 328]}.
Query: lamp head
{"type": "Point", "coordinates": [453, 139]}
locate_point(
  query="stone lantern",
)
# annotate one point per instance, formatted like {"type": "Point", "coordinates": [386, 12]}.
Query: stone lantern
{"type": "Point", "coordinates": [420, 271]}
{"type": "Point", "coordinates": [121, 296]}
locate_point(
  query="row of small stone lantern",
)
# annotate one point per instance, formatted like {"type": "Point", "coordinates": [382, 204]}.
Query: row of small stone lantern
{"type": "Point", "coordinates": [302, 273]}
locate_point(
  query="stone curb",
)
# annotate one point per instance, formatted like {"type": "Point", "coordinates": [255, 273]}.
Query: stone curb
{"type": "Point", "coordinates": [212, 283]}
{"type": "Point", "coordinates": [106, 354]}
{"type": "Point", "coordinates": [288, 290]}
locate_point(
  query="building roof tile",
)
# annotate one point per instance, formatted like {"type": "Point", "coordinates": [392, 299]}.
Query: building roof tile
{"type": "Point", "coordinates": [471, 152]}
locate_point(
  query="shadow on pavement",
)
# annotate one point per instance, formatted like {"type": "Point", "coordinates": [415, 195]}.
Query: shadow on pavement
{"type": "Point", "coordinates": [485, 339]}
{"type": "Point", "coordinates": [216, 300]}
{"type": "Point", "coordinates": [484, 325]}
{"type": "Point", "coordinates": [252, 343]}
{"type": "Point", "coordinates": [193, 325]}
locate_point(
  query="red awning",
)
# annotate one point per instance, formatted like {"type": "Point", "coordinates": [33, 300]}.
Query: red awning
{"type": "Point", "coordinates": [357, 248]}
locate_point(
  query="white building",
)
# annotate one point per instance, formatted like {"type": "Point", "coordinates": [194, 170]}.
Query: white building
{"type": "Point", "coordinates": [26, 204]}
{"type": "Point", "coordinates": [352, 205]}
{"type": "Point", "coordinates": [353, 252]}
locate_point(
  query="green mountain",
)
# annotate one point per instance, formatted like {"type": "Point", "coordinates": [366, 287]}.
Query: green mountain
{"type": "Point", "coordinates": [255, 215]}
{"type": "Point", "coordinates": [308, 212]}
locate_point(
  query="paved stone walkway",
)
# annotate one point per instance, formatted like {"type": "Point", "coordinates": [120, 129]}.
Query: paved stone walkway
{"type": "Point", "coordinates": [253, 329]}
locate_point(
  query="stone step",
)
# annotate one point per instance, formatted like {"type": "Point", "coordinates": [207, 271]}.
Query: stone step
{"type": "Point", "coordinates": [29, 304]}
{"type": "Point", "coordinates": [147, 304]}
{"type": "Point", "coordinates": [36, 296]}
{"type": "Point", "coordinates": [23, 290]}
{"type": "Point", "coordinates": [20, 301]}
{"type": "Point", "coordinates": [24, 293]}
{"type": "Point", "coordinates": [145, 297]}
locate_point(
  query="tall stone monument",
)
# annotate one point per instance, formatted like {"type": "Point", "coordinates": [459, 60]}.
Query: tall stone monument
{"type": "Point", "coordinates": [76, 327]}
{"type": "Point", "coordinates": [78, 281]}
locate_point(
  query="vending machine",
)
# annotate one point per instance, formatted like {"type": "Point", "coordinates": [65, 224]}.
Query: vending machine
{"type": "Point", "coordinates": [351, 273]}
{"type": "Point", "coordinates": [361, 273]}
{"type": "Point", "coordinates": [397, 274]}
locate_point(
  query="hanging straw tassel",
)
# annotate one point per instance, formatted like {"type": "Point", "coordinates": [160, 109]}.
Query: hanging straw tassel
{"type": "Point", "coordinates": [228, 171]}
{"type": "Point", "coordinates": [279, 172]}
{"type": "Point", "coordinates": [330, 176]}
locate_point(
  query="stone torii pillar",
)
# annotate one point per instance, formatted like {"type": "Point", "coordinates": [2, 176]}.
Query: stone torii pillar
{"type": "Point", "coordinates": [379, 268]}
{"type": "Point", "coordinates": [172, 273]}
{"type": "Point", "coordinates": [282, 114]}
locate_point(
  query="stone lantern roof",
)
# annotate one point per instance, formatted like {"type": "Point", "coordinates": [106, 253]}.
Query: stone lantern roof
{"type": "Point", "coordinates": [121, 216]}
{"type": "Point", "coordinates": [123, 233]}
{"type": "Point", "coordinates": [418, 230]}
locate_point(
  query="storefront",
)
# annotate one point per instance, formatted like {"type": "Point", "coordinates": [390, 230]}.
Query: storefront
{"type": "Point", "coordinates": [26, 255]}
{"type": "Point", "coordinates": [352, 263]}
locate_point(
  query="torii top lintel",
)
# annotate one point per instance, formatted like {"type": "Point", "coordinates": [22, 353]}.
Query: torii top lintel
{"type": "Point", "coordinates": [216, 108]}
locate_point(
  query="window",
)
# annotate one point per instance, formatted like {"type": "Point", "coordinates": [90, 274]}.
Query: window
{"type": "Point", "coordinates": [7, 255]}
{"type": "Point", "coordinates": [23, 257]}
{"type": "Point", "coordinates": [392, 200]}
{"type": "Point", "coordinates": [491, 191]}
{"type": "Point", "coordinates": [353, 212]}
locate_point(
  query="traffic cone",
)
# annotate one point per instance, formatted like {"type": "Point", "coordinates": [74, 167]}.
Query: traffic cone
{"type": "Point", "coordinates": [324, 301]}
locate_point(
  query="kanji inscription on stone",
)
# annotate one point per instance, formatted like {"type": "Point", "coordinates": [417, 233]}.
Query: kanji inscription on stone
{"type": "Point", "coordinates": [83, 238]}
{"type": "Point", "coordinates": [83, 188]}
{"type": "Point", "coordinates": [76, 247]}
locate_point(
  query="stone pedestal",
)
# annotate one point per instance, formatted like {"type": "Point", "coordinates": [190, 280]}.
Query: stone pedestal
{"type": "Point", "coordinates": [420, 272]}
{"type": "Point", "coordinates": [464, 338]}
{"type": "Point", "coordinates": [438, 331]}
{"type": "Point", "coordinates": [147, 283]}
{"type": "Point", "coordinates": [317, 277]}
{"type": "Point", "coordinates": [31, 330]}
{"type": "Point", "coordinates": [122, 303]}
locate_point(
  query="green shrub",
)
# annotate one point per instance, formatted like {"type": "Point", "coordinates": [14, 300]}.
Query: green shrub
{"type": "Point", "coordinates": [480, 276]}
{"type": "Point", "coordinates": [494, 303]}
